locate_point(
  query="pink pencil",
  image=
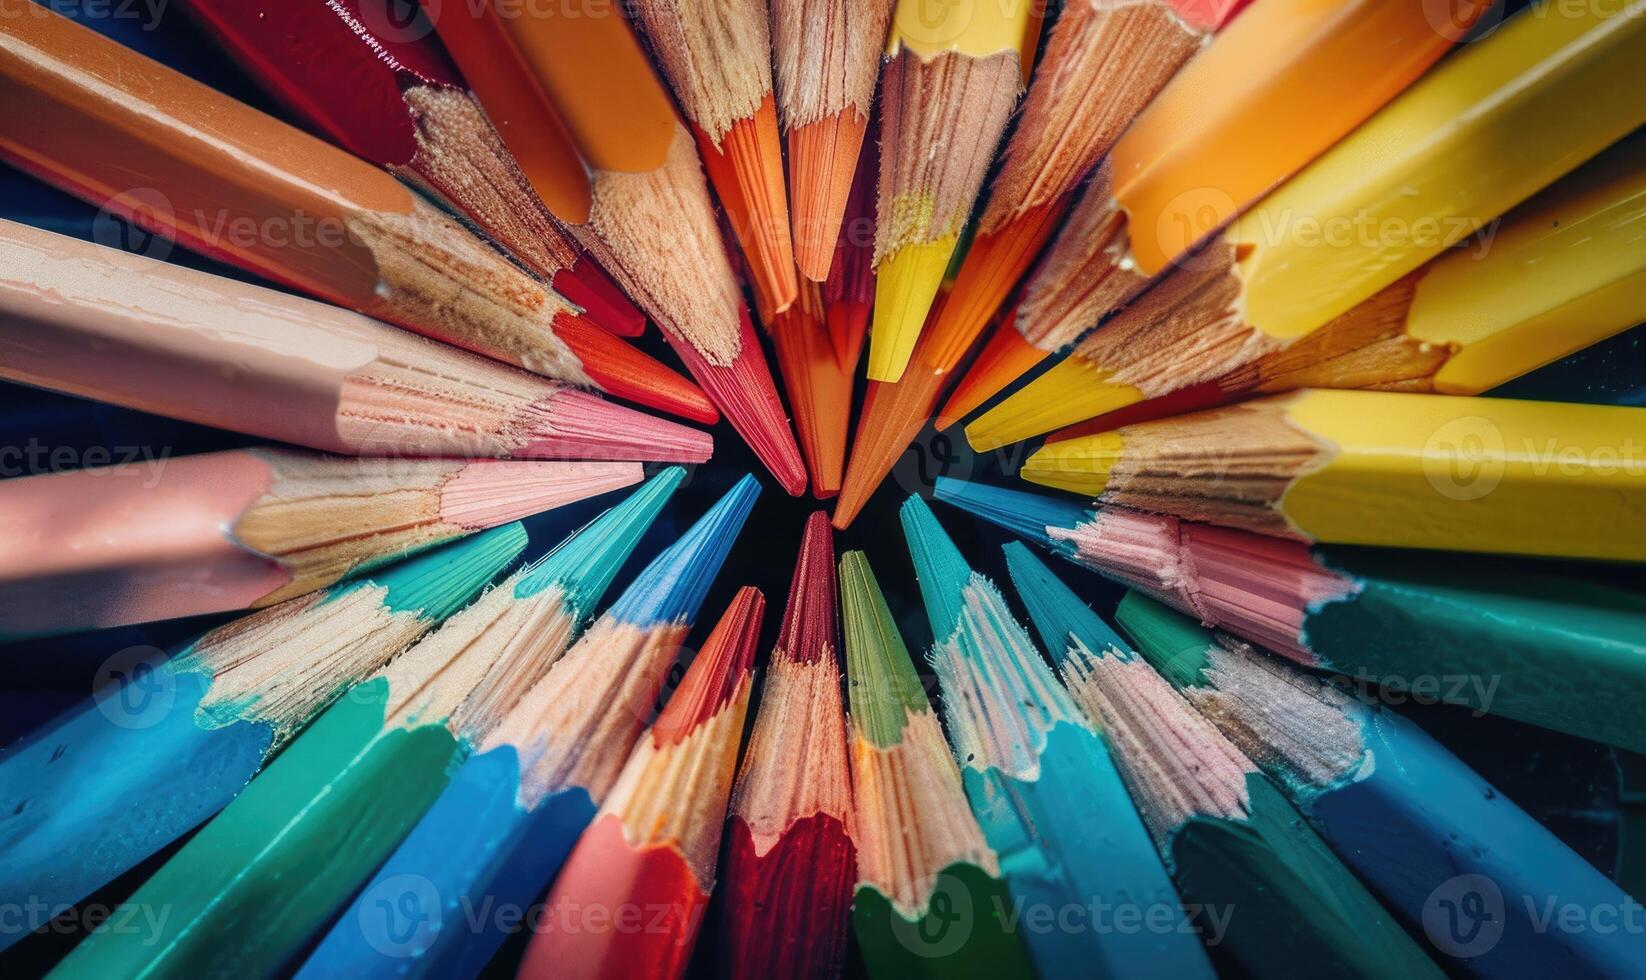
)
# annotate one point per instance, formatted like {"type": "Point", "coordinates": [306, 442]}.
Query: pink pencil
{"type": "Point", "coordinates": [194, 346]}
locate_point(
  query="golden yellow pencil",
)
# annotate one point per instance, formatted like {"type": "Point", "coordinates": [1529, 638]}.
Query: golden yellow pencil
{"type": "Point", "coordinates": [1395, 469]}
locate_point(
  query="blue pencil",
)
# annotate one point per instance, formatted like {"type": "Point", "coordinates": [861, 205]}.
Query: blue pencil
{"type": "Point", "coordinates": [1079, 862]}
{"type": "Point", "coordinates": [465, 876]}
{"type": "Point", "coordinates": [167, 745]}
{"type": "Point", "coordinates": [1444, 849]}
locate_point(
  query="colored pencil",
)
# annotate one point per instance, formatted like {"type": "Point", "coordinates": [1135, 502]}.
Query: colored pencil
{"type": "Point", "coordinates": [1399, 808]}
{"type": "Point", "coordinates": [1419, 176]}
{"type": "Point", "coordinates": [497, 835]}
{"type": "Point", "coordinates": [1382, 468]}
{"type": "Point", "coordinates": [1102, 65]}
{"type": "Point", "coordinates": [819, 387]}
{"type": "Point", "coordinates": [166, 745]}
{"type": "Point", "coordinates": [1513, 639]}
{"type": "Point", "coordinates": [408, 110]}
{"type": "Point", "coordinates": [718, 59]}
{"type": "Point", "coordinates": [1042, 783]}
{"type": "Point", "coordinates": [180, 159]}
{"type": "Point", "coordinates": [789, 864]}
{"type": "Point", "coordinates": [182, 343]}
{"type": "Point", "coordinates": [650, 852]}
{"type": "Point", "coordinates": [1234, 843]}
{"type": "Point", "coordinates": [577, 103]}
{"type": "Point", "coordinates": [244, 529]}
{"type": "Point", "coordinates": [389, 928]}
{"type": "Point", "coordinates": [921, 855]}
{"type": "Point", "coordinates": [1561, 272]}
{"type": "Point", "coordinates": [827, 55]}
{"type": "Point", "coordinates": [848, 293]}
{"type": "Point", "coordinates": [951, 79]}
{"type": "Point", "coordinates": [1275, 89]}
{"type": "Point", "coordinates": [280, 862]}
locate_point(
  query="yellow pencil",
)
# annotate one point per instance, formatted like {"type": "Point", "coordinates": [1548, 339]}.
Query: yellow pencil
{"type": "Point", "coordinates": [1396, 469]}
{"type": "Point", "coordinates": [953, 73]}
{"type": "Point", "coordinates": [1485, 130]}
{"type": "Point", "coordinates": [1565, 270]}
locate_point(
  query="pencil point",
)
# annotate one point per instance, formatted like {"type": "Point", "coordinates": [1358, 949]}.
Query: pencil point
{"type": "Point", "coordinates": [1005, 358]}
{"type": "Point", "coordinates": [810, 630]}
{"type": "Point", "coordinates": [1072, 391]}
{"type": "Point", "coordinates": [893, 415]}
{"type": "Point", "coordinates": [587, 285]}
{"type": "Point", "coordinates": [489, 492]}
{"type": "Point", "coordinates": [713, 679]}
{"type": "Point", "coordinates": [672, 588]}
{"type": "Point", "coordinates": [1031, 515]}
{"type": "Point", "coordinates": [438, 582]}
{"type": "Point", "coordinates": [747, 173]}
{"type": "Point", "coordinates": [881, 682]}
{"type": "Point", "coordinates": [1079, 466]}
{"type": "Point", "coordinates": [823, 158]}
{"type": "Point", "coordinates": [585, 563]}
{"type": "Point", "coordinates": [1171, 642]}
{"type": "Point", "coordinates": [624, 372]}
{"type": "Point", "coordinates": [907, 283]}
{"type": "Point", "coordinates": [580, 424]}
{"type": "Point", "coordinates": [1057, 613]}
{"type": "Point", "coordinates": [939, 566]}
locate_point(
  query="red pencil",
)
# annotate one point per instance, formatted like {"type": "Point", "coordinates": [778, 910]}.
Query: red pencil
{"type": "Point", "coordinates": [818, 386]}
{"type": "Point", "coordinates": [790, 863]}
{"type": "Point", "coordinates": [630, 898]}
{"type": "Point", "coordinates": [408, 110]}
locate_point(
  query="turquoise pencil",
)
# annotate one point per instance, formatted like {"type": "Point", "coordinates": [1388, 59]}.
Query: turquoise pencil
{"type": "Point", "coordinates": [143, 762]}
{"type": "Point", "coordinates": [1485, 883]}
{"type": "Point", "coordinates": [496, 836]}
{"type": "Point", "coordinates": [1283, 904]}
{"type": "Point", "coordinates": [1092, 895]}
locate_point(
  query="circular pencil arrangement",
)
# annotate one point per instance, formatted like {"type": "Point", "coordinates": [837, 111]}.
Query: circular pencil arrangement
{"type": "Point", "coordinates": [1304, 312]}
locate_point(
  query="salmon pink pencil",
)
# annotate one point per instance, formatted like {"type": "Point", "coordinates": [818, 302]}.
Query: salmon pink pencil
{"type": "Point", "coordinates": [245, 529]}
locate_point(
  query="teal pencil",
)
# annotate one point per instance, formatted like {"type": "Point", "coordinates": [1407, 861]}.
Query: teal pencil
{"type": "Point", "coordinates": [150, 757]}
{"type": "Point", "coordinates": [1450, 854]}
{"type": "Point", "coordinates": [1285, 905]}
{"type": "Point", "coordinates": [1092, 896]}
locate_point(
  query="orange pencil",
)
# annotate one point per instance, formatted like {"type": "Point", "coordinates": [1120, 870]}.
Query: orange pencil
{"type": "Point", "coordinates": [717, 58]}
{"type": "Point", "coordinates": [577, 104]}
{"type": "Point", "coordinates": [819, 387]}
{"type": "Point", "coordinates": [826, 53]}
{"type": "Point", "coordinates": [1278, 86]}
{"type": "Point", "coordinates": [848, 293]}
{"type": "Point", "coordinates": [183, 160]}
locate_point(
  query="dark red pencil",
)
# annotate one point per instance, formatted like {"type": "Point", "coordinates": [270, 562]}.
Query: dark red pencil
{"type": "Point", "coordinates": [408, 109]}
{"type": "Point", "coordinates": [790, 864]}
